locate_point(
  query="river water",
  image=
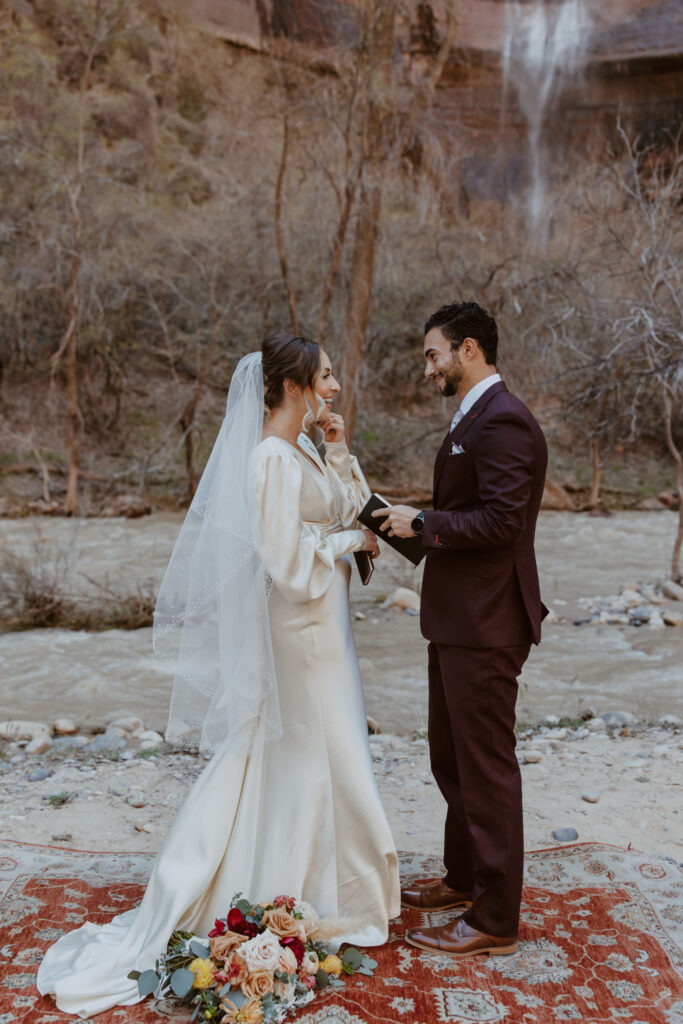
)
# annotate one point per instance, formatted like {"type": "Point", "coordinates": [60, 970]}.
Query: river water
{"type": "Point", "coordinates": [94, 676]}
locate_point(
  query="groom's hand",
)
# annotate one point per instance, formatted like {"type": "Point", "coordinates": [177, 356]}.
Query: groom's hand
{"type": "Point", "coordinates": [398, 520]}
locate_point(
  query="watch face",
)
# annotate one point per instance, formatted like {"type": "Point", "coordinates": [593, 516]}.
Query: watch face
{"type": "Point", "coordinates": [417, 524]}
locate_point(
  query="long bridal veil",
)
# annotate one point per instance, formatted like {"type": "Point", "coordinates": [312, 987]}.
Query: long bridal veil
{"type": "Point", "coordinates": [211, 617]}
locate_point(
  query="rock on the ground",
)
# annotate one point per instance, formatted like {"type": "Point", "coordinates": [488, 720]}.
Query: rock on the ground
{"type": "Point", "coordinates": [64, 727]}
{"type": "Point", "coordinates": [672, 590]}
{"type": "Point", "coordinates": [670, 720]}
{"type": "Point", "coordinates": [39, 774]}
{"type": "Point", "coordinates": [619, 718]}
{"type": "Point", "coordinates": [556, 498]}
{"type": "Point", "coordinates": [149, 739]}
{"type": "Point", "coordinates": [129, 723]}
{"type": "Point", "coordinates": [70, 741]}
{"type": "Point", "coordinates": [136, 800]}
{"type": "Point", "coordinates": [595, 725]}
{"type": "Point", "coordinates": [19, 730]}
{"type": "Point", "coordinates": [565, 835]}
{"type": "Point", "coordinates": [374, 728]}
{"type": "Point", "coordinates": [651, 505]}
{"type": "Point", "coordinates": [404, 598]}
{"type": "Point", "coordinates": [671, 618]}
{"type": "Point", "coordinates": [531, 756]}
{"type": "Point", "coordinates": [39, 744]}
{"type": "Point", "coordinates": [132, 506]}
{"type": "Point", "coordinates": [105, 741]}
{"type": "Point", "coordinates": [590, 798]}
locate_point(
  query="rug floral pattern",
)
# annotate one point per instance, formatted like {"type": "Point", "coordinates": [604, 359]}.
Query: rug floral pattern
{"type": "Point", "coordinates": [601, 940]}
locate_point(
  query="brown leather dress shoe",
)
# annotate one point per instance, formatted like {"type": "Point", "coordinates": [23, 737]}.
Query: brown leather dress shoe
{"type": "Point", "coordinates": [434, 896]}
{"type": "Point", "coordinates": [459, 939]}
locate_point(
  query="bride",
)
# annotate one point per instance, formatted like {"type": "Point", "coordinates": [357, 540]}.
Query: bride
{"type": "Point", "coordinates": [254, 612]}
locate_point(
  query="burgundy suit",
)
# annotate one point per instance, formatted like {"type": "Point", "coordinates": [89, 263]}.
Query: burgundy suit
{"type": "Point", "coordinates": [481, 610]}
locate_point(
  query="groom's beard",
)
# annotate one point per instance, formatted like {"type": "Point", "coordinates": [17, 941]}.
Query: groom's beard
{"type": "Point", "coordinates": [451, 376]}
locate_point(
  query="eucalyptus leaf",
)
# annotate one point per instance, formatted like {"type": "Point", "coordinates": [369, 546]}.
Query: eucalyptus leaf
{"type": "Point", "coordinates": [353, 957]}
{"type": "Point", "coordinates": [148, 982]}
{"type": "Point", "coordinates": [244, 906]}
{"type": "Point", "coordinates": [239, 999]}
{"type": "Point", "coordinates": [134, 975]}
{"type": "Point", "coordinates": [182, 981]}
{"type": "Point", "coordinates": [367, 971]}
{"type": "Point", "coordinates": [369, 963]}
{"type": "Point", "coordinates": [322, 979]}
{"type": "Point", "coordinates": [199, 949]}
{"type": "Point", "coordinates": [337, 983]}
{"type": "Point", "coordinates": [224, 991]}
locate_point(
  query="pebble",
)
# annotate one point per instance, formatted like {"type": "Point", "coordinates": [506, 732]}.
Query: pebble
{"type": "Point", "coordinates": [69, 741]}
{"type": "Point", "coordinates": [150, 739]}
{"type": "Point", "coordinates": [136, 800]}
{"type": "Point", "coordinates": [114, 730]}
{"type": "Point", "coordinates": [672, 590]}
{"type": "Point", "coordinates": [619, 718]}
{"type": "Point", "coordinates": [105, 741]}
{"type": "Point", "coordinates": [129, 723]}
{"type": "Point", "coordinates": [551, 720]}
{"type": "Point", "coordinates": [531, 756]}
{"type": "Point", "coordinates": [20, 730]}
{"type": "Point", "coordinates": [143, 828]}
{"type": "Point", "coordinates": [590, 798]}
{"type": "Point", "coordinates": [359, 616]}
{"type": "Point", "coordinates": [39, 745]}
{"type": "Point", "coordinates": [565, 835]}
{"type": "Point", "coordinates": [556, 734]}
{"type": "Point", "coordinates": [64, 727]}
{"type": "Point", "coordinates": [596, 725]}
{"type": "Point", "coordinates": [670, 720]}
{"type": "Point", "coordinates": [38, 774]}
{"type": "Point", "coordinates": [670, 618]}
{"type": "Point", "coordinates": [404, 598]}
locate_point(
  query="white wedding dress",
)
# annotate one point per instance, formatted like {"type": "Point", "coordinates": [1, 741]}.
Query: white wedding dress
{"type": "Point", "coordinates": [299, 815]}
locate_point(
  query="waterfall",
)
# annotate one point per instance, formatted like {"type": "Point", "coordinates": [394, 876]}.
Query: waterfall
{"type": "Point", "coordinates": [545, 45]}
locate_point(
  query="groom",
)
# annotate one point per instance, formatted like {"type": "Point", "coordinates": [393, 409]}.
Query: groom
{"type": "Point", "coordinates": [481, 611]}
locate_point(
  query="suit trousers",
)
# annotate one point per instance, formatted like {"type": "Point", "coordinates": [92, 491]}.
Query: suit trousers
{"type": "Point", "coordinates": [472, 696]}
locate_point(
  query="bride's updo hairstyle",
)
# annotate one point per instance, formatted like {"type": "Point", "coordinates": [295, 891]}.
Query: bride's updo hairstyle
{"type": "Point", "coordinates": [287, 357]}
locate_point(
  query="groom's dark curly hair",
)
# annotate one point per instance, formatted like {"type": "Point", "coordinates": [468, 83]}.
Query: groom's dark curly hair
{"type": "Point", "coordinates": [462, 320]}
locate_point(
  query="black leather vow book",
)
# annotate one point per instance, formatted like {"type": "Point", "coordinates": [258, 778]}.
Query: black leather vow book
{"type": "Point", "coordinates": [410, 547]}
{"type": "Point", "coordinates": [365, 565]}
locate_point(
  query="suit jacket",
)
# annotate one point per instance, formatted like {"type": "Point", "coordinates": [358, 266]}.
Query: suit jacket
{"type": "Point", "coordinates": [480, 586]}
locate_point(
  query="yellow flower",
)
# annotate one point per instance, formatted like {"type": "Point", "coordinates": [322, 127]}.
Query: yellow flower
{"type": "Point", "coordinates": [332, 965]}
{"type": "Point", "coordinates": [203, 973]}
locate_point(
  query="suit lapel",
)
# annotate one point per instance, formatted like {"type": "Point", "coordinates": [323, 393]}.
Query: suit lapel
{"type": "Point", "coordinates": [462, 427]}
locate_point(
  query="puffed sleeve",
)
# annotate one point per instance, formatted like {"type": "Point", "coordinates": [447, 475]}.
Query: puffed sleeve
{"type": "Point", "coordinates": [347, 468]}
{"type": "Point", "coordinates": [297, 555]}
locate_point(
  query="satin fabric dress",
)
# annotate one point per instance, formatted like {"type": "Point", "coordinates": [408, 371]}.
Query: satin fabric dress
{"type": "Point", "coordinates": [300, 814]}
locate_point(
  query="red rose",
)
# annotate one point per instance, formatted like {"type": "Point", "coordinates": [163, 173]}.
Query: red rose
{"type": "Point", "coordinates": [250, 930]}
{"type": "Point", "coordinates": [219, 928]}
{"type": "Point", "coordinates": [235, 918]}
{"type": "Point", "coordinates": [297, 947]}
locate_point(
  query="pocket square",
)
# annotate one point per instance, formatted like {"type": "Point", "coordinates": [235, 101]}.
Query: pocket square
{"type": "Point", "coordinates": [457, 449]}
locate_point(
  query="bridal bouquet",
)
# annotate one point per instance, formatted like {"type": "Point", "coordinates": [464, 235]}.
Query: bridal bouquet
{"type": "Point", "coordinates": [258, 965]}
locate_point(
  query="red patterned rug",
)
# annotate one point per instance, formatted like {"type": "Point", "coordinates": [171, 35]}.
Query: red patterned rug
{"type": "Point", "coordinates": [601, 940]}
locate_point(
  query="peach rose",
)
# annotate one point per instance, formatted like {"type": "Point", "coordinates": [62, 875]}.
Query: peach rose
{"type": "Point", "coordinates": [258, 984]}
{"type": "Point", "coordinates": [236, 970]}
{"type": "Point", "coordinates": [285, 990]}
{"type": "Point", "coordinates": [288, 964]}
{"type": "Point", "coordinates": [283, 924]}
{"type": "Point", "coordinates": [223, 946]}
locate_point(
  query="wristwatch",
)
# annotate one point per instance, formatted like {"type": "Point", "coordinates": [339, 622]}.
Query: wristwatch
{"type": "Point", "coordinates": [418, 523]}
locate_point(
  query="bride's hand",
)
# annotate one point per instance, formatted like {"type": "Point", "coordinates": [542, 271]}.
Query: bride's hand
{"type": "Point", "coordinates": [332, 424]}
{"type": "Point", "coordinates": [371, 544]}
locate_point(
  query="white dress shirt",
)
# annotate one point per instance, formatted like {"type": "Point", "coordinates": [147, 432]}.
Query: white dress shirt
{"type": "Point", "coordinates": [472, 395]}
